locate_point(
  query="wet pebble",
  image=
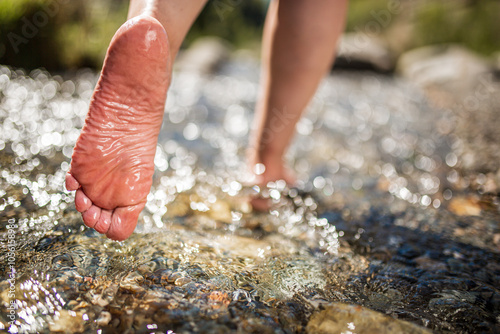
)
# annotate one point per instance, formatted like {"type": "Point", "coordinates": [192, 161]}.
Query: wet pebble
{"type": "Point", "coordinates": [132, 282]}
{"type": "Point", "coordinates": [182, 281]}
{"type": "Point", "coordinates": [343, 318]}
{"type": "Point", "coordinates": [67, 322]}
{"type": "Point", "coordinates": [426, 263]}
{"type": "Point", "coordinates": [103, 319]}
{"type": "Point", "coordinates": [173, 277]}
{"type": "Point", "coordinates": [408, 251]}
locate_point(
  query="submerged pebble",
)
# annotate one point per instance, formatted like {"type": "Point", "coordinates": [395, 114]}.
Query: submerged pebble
{"type": "Point", "coordinates": [343, 318]}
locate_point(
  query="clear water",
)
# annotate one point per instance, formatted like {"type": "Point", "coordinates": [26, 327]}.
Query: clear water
{"type": "Point", "coordinates": [381, 216]}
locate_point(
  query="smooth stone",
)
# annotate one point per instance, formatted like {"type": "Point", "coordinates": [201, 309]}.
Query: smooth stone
{"type": "Point", "coordinates": [104, 318]}
{"type": "Point", "coordinates": [131, 282]}
{"type": "Point", "coordinates": [67, 322]}
{"type": "Point", "coordinates": [345, 318]}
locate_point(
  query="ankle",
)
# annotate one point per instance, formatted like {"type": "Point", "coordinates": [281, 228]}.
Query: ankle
{"type": "Point", "coordinates": [265, 153]}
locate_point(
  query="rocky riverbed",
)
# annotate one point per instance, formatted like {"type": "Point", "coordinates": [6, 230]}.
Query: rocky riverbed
{"type": "Point", "coordinates": [389, 229]}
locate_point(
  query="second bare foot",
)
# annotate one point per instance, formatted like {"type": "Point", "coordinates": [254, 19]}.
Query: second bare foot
{"type": "Point", "coordinates": [265, 170]}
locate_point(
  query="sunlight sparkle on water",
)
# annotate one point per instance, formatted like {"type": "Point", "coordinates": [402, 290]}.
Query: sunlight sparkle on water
{"type": "Point", "coordinates": [361, 139]}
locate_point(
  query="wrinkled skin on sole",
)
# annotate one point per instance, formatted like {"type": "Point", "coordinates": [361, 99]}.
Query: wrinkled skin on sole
{"type": "Point", "coordinates": [112, 164]}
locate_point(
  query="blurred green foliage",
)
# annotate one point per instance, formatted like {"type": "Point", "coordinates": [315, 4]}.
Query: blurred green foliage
{"type": "Point", "coordinates": [62, 34]}
{"type": "Point", "coordinates": [12, 10]}
{"type": "Point", "coordinates": [475, 24]}
{"type": "Point", "coordinates": [57, 34]}
{"type": "Point", "coordinates": [472, 23]}
{"type": "Point", "coordinates": [361, 12]}
{"type": "Point", "coordinates": [238, 21]}
{"type": "Point", "coordinates": [77, 32]}
{"type": "Point", "coordinates": [18, 42]}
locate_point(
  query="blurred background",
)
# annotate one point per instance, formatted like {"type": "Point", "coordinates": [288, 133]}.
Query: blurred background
{"type": "Point", "coordinates": [62, 34]}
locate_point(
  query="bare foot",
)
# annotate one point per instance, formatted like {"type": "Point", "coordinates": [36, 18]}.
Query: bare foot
{"type": "Point", "coordinates": [112, 164]}
{"type": "Point", "coordinates": [265, 170]}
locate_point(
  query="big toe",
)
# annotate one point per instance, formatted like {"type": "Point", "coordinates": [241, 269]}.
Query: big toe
{"type": "Point", "coordinates": [123, 221]}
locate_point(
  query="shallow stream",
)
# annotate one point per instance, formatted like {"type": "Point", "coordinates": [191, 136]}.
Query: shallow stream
{"type": "Point", "coordinates": [381, 217]}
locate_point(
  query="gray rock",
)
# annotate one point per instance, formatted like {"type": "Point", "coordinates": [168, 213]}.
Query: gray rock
{"type": "Point", "coordinates": [450, 66]}
{"type": "Point", "coordinates": [205, 55]}
{"type": "Point", "coordinates": [362, 51]}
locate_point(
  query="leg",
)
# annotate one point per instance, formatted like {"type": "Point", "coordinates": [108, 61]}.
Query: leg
{"type": "Point", "coordinates": [112, 164]}
{"type": "Point", "coordinates": [176, 17]}
{"type": "Point", "coordinates": [299, 43]}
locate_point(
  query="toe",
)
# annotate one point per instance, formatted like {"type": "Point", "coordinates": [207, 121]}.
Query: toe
{"type": "Point", "coordinates": [102, 225]}
{"type": "Point", "coordinates": [82, 202]}
{"type": "Point", "coordinates": [91, 216]}
{"type": "Point", "coordinates": [71, 182]}
{"type": "Point", "coordinates": [124, 221]}
{"type": "Point", "coordinates": [260, 204]}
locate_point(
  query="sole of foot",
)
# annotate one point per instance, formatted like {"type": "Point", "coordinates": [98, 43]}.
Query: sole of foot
{"type": "Point", "coordinates": [113, 160]}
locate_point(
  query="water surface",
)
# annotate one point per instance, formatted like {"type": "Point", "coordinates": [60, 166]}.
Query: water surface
{"type": "Point", "coordinates": [381, 217]}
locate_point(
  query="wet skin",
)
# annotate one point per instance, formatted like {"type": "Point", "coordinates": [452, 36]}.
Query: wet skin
{"type": "Point", "coordinates": [273, 169]}
{"type": "Point", "coordinates": [112, 164]}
